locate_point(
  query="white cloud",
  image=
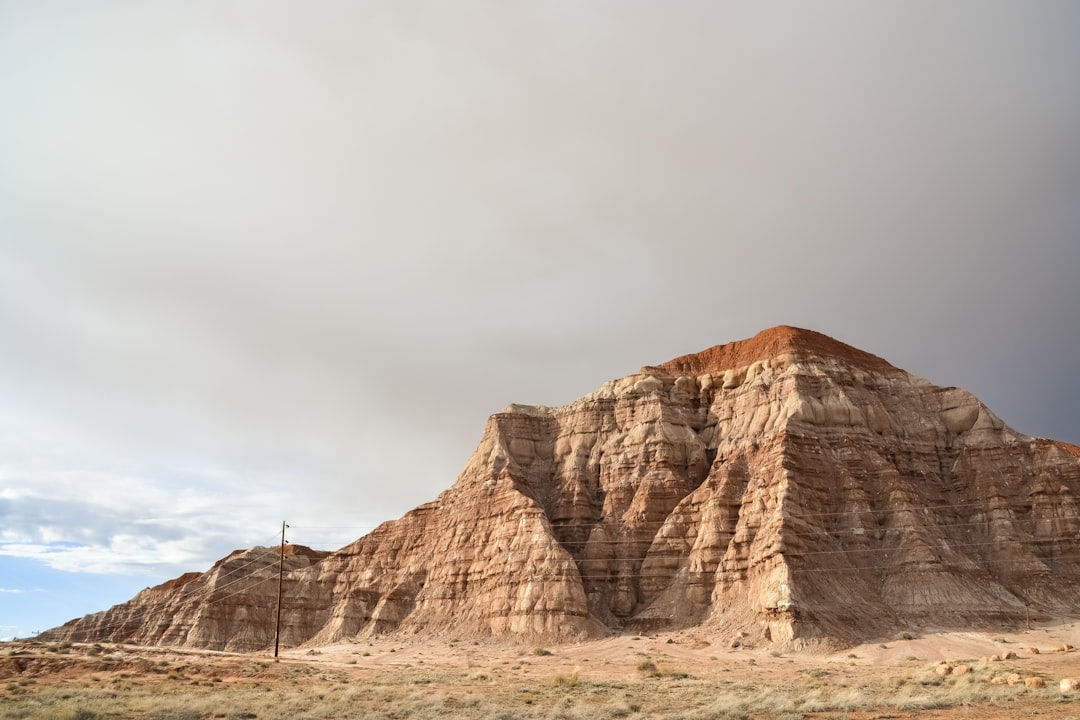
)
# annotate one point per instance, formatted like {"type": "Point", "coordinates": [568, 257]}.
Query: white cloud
{"type": "Point", "coordinates": [141, 557]}
{"type": "Point", "coordinates": [283, 266]}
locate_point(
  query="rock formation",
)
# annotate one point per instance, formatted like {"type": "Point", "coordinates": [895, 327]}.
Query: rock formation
{"type": "Point", "coordinates": [231, 606]}
{"type": "Point", "coordinates": [788, 487]}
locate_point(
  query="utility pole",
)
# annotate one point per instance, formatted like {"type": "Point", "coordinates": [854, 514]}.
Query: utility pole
{"type": "Point", "coordinates": [280, 580]}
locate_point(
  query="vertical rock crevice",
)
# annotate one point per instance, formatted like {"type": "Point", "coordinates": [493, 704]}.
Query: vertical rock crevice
{"type": "Point", "coordinates": [787, 487]}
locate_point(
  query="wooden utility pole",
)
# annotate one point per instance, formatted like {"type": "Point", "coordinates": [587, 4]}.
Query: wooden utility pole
{"type": "Point", "coordinates": [280, 580]}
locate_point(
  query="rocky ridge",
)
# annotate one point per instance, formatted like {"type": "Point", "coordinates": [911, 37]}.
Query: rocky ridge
{"type": "Point", "coordinates": [787, 488]}
{"type": "Point", "coordinates": [231, 606]}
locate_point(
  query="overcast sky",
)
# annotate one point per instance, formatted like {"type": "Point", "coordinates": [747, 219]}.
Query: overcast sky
{"type": "Point", "coordinates": [265, 261]}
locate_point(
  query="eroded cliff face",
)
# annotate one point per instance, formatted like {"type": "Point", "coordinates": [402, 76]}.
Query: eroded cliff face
{"type": "Point", "coordinates": [788, 486]}
{"type": "Point", "coordinates": [232, 606]}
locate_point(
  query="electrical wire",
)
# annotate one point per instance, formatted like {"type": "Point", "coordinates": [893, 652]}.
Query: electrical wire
{"type": "Point", "coordinates": [242, 573]}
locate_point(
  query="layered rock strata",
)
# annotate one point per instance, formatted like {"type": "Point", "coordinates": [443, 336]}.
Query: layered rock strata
{"type": "Point", "coordinates": [232, 606]}
{"type": "Point", "coordinates": [788, 487]}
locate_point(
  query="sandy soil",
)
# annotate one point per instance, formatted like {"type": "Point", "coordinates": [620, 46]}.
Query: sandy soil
{"type": "Point", "coordinates": [676, 668]}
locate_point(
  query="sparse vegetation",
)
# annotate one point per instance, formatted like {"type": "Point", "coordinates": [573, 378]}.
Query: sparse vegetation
{"type": "Point", "coordinates": [492, 687]}
{"type": "Point", "coordinates": [447, 694]}
{"type": "Point", "coordinates": [647, 666]}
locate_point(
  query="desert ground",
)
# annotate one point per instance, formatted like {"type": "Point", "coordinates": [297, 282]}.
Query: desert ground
{"type": "Point", "coordinates": [984, 675]}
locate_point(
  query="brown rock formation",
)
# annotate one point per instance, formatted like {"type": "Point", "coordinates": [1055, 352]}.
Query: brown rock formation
{"type": "Point", "coordinates": [231, 606]}
{"type": "Point", "coordinates": [787, 487]}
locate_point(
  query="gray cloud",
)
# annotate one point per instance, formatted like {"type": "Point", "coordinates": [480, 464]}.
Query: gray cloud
{"type": "Point", "coordinates": [286, 260]}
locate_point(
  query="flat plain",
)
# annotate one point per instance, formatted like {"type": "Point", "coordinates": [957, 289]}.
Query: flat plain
{"type": "Point", "coordinates": [985, 675]}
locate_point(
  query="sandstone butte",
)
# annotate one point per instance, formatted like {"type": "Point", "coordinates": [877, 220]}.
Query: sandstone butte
{"type": "Point", "coordinates": [787, 488]}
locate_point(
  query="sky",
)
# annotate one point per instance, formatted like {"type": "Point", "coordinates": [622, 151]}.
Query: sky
{"type": "Point", "coordinates": [275, 261]}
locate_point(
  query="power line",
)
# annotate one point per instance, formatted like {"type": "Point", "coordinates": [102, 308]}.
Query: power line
{"type": "Point", "coordinates": [188, 589]}
{"type": "Point", "coordinates": [242, 572]}
{"type": "Point", "coordinates": [280, 582]}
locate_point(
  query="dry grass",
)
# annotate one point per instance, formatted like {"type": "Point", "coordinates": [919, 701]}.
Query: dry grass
{"type": "Point", "coordinates": [420, 694]}
{"type": "Point", "coordinates": [655, 681]}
